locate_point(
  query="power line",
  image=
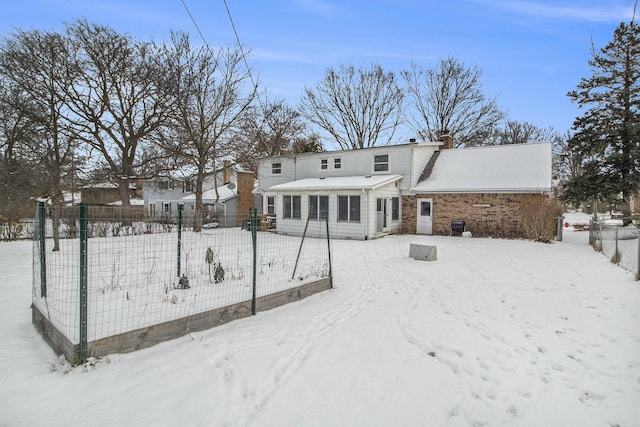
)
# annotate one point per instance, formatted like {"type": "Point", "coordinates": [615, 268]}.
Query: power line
{"type": "Point", "coordinates": [242, 53]}
{"type": "Point", "coordinates": [244, 57]}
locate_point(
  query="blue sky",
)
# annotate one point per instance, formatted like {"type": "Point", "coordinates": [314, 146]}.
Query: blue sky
{"type": "Point", "coordinates": [531, 52]}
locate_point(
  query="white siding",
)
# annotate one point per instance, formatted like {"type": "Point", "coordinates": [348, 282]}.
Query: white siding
{"type": "Point", "coordinates": [266, 179]}
{"type": "Point", "coordinates": [365, 229]}
{"type": "Point", "coordinates": [386, 192]}
{"type": "Point", "coordinates": [408, 160]}
{"type": "Point", "coordinates": [420, 159]}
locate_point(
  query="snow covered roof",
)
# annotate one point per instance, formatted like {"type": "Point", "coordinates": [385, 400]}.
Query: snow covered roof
{"type": "Point", "coordinates": [500, 168]}
{"type": "Point", "coordinates": [366, 182]}
{"type": "Point", "coordinates": [224, 192]}
{"type": "Point", "coordinates": [132, 202]}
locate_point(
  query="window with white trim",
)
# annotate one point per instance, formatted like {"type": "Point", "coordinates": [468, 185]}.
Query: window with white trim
{"type": "Point", "coordinates": [324, 164]}
{"type": "Point", "coordinates": [276, 168]}
{"type": "Point", "coordinates": [395, 208]}
{"type": "Point", "coordinates": [291, 207]}
{"type": "Point", "coordinates": [271, 205]}
{"type": "Point", "coordinates": [381, 163]}
{"type": "Point", "coordinates": [318, 207]}
{"type": "Point", "coordinates": [349, 208]}
{"type": "Point", "coordinates": [337, 163]}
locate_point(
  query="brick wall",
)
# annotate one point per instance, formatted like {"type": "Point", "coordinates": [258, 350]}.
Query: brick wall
{"type": "Point", "coordinates": [485, 214]}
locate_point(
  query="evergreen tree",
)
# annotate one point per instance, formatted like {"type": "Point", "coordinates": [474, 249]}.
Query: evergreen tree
{"type": "Point", "coordinates": [607, 136]}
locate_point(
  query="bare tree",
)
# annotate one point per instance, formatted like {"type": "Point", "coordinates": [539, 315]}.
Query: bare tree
{"type": "Point", "coordinates": [119, 100]}
{"type": "Point", "coordinates": [267, 130]}
{"type": "Point", "coordinates": [18, 177]}
{"type": "Point", "coordinates": [514, 132]}
{"type": "Point", "coordinates": [211, 96]}
{"type": "Point", "coordinates": [357, 107]}
{"type": "Point", "coordinates": [450, 98]}
{"type": "Point", "coordinates": [37, 65]}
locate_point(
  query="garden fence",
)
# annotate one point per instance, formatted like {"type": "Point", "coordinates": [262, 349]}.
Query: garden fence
{"type": "Point", "coordinates": [119, 282]}
{"type": "Point", "coordinates": [619, 244]}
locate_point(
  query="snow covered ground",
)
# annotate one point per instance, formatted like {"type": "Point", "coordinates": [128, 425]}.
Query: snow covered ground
{"type": "Point", "coordinates": [495, 333]}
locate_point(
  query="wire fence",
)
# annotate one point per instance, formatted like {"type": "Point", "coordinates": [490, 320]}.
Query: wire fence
{"type": "Point", "coordinates": [620, 244]}
{"type": "Point", "coordinates": [109, 275]}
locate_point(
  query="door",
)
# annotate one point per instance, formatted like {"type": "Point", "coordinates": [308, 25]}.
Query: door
{"type": "Point", "coordinates": [425, 216]}
{"type": "Point", "coordinates": [381, 215]}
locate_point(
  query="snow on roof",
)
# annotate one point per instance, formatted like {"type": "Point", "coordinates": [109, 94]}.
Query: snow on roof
{"type": "Point", "coordinates": [132, 202]}
{"type": "Point", "coordinates": [224, 192]}
{"type": "Point", "coordinates": [499, 168]}
{"type": "Point", "coordinates": [366, 182]}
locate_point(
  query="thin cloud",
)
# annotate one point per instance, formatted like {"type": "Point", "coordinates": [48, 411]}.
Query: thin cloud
{"type": "Point", "coordinates": [581, 12]}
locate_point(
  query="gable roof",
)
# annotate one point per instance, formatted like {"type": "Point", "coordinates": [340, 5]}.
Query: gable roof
{"type": "Point", "coordinates": [520, 168]}
{"type": "Point", "coordinates": [360, 182]}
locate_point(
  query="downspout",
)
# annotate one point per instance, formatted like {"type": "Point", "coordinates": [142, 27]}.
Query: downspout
{"type": "Point", "coordinates": [366, 234]}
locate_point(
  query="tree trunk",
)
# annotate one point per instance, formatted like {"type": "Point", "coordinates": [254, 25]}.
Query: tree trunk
{"type": "Point", "coordinates": [197, 219]}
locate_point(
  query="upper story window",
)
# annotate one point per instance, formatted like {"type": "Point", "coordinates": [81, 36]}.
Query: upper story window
{"type": "Point", "coordinates": [165, 184]}
{"type": "Point", "coordinates": [187, 186]}
{"type": "Point", "coordinates": [381, 163]}
{"type": "Point", "coordinates": [337, 163]}
{"type": "Point", "coordinates": [276, 168]}
{"type": "Point", "coordinates": [324, 164]}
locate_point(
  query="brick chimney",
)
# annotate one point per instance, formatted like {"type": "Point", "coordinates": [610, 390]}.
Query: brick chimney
{"type": "Point", "coordinates": [446, 139]}
{"type": "Point", "coordinates": [227, 171]}
{"type": "Point", "coordinates": [245, 195]}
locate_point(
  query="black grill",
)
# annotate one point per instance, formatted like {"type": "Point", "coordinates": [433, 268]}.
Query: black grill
{"type": "Point", "coordinates": [457, 227]}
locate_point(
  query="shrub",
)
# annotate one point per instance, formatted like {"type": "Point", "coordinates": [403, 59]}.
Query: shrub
{"type": "Point", "coordinates": [539, 218]}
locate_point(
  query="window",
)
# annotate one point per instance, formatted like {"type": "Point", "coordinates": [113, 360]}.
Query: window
{"type": "Point", "coordinates": [395, 208]}
{"type": "Point", "coordinates": [291, 207]}
{"type": "Point", "coordinates": [337, 163]}
{"type": "Point", "coordinates": [152, 210]}
{"type": "Point", "coordinates": [381, 163]}
{"type": "Point", "coordinates": [187, 187]}
{"type": "Point", "coordinates": [276, 168]}
{"type": "Point", "coordinates": [318, 207]}
{"type": "Point", "coordinates": [271, 205]}
{"type": "Point", "coordinates": [166, 207]}
{"type": "Point", "coordinates": [324, 164]}
{"type": "Point", "coordinates": [349, 208]}
{"type": "Point", "coordinates": [165, 184]}
{"type": "Point", "coordinates": [425, 208]}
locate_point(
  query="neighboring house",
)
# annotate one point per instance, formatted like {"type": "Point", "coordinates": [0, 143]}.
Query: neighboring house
{"type": "Point", "coordinates": [228, 204]}
{"type": "Point", "coordinates": [412, 188]}
{"type": "Point", "coordinates": [107, 193]}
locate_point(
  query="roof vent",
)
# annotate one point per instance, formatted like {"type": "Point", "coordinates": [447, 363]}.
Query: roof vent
{"type": "Point", "coordinates": [322, 177]}
{"type": "Point", "coordinates": [367, 176]}
{"type": "Point", "coordinates": [412, 140]}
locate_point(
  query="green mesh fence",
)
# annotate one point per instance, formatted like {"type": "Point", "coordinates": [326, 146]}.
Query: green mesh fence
{"type": "Point", "coordinates": [141, 273]}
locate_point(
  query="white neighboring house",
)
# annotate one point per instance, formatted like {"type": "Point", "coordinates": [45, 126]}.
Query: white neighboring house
{"type": "Point", "coordinates": [421, 188]}
{"type": "Point", "coordinates": [228, 206]}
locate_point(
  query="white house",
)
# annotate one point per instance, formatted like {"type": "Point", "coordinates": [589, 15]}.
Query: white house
{"type": "Point", "coordinates": [227, 204]}
{"type": "Point", "coordinates": [411, 188]}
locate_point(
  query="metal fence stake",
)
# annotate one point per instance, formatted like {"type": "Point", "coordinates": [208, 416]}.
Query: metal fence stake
{"type": "Point", "coordinates": [83, 283]}
{"type": "Point", "coordinates": [254, 239]}
{"type": "Point", "coordinates": [43, 256]}
{"type": "Point", "coordinates": [180, 209]}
